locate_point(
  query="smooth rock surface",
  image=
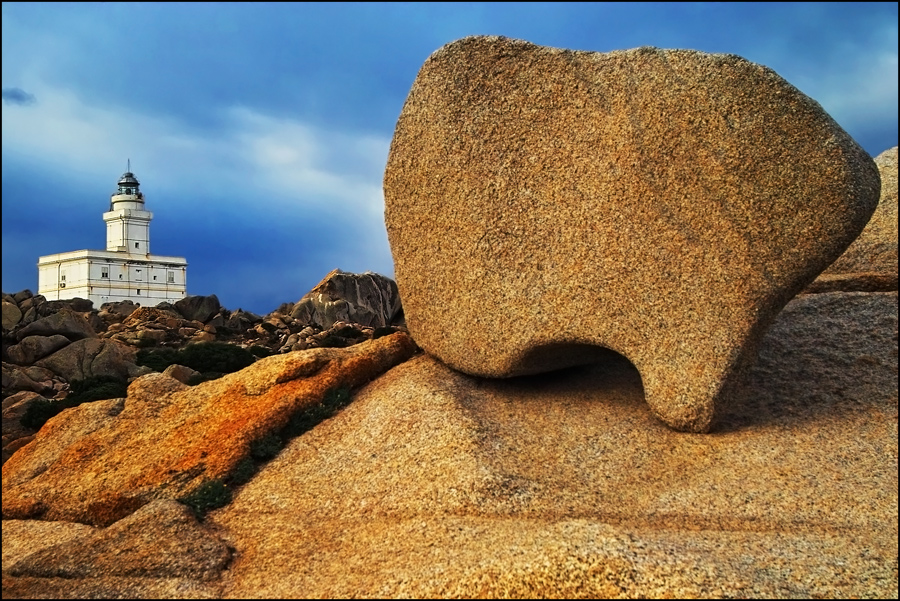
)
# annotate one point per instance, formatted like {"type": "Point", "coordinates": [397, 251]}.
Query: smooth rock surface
{"type": "Point", "coordinates": [873, 256]}
{"type": "Point", "coordinates": [437, 484]}
{"type": "Point", "coordinates": [665, 204]}
{"type": "Point", "coordinates": [32, 348]}
{"type": "Point", "coordinates": [90, 357]}
{"type": "Point", "coordinates": [66, 322]}
{"type": "Point", "coordinates": [160, 540]}
{"type": "Point", "coordinates": [11, 315]}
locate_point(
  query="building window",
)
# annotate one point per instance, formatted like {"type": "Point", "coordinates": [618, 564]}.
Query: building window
{"type": "Point", "coordinates": [171, 276]}
{"type": "Point", "coordinates": [104, 272]}
{"type": "Point", "coordinates": [137, 245]}
{"type": "Point", "coordinates": [137, 275]}
{"type": "Point", "coordinates": [139, 290]}
{"type": "Point", "coordinates": [154, 278]}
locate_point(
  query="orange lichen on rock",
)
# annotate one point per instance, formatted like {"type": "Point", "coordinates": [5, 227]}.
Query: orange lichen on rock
{"type": "Point", "coordinates": [101, 461]}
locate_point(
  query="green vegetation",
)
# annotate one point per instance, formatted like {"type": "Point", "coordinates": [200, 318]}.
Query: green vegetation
{"type": "Point", "coordinates": [157, 359]}
{"type": "Point", "coordinates": [266, 447]}
{"type": "Point", "coordinates": [243, 472]}
{"type": "Point", "coordinates": [145, 342]}
{"type": "Point", "coordinates": [205, 377]}
{"type": "Point", "coordinates": [260, 351]}
{"type": "Point", "coordinates": [332, 341]}
{"type": "Point", "coordinates": [215, 356]}
{"type": "Point", "coordinates": [212, 359]}
{"type": "Point", "coordinates": [348, 332]}
{"type": "Point", "coordinates": [304, 421]}
{"type": "Point", "coordinates": [95, 388]}
{"type": "Point", "coordinates": [212, 494]}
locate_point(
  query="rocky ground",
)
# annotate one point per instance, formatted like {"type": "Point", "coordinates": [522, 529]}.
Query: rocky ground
{"type": "Point", "coordinates": [49, 344]}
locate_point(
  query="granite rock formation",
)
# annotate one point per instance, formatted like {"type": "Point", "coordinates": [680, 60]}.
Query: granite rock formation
{"type": "Point", "coordinates": [47, 345]}
{"type": "Point", "coordinates": [870, 263]}
{"type": "Point", "coordinates": [542, 203]}
{"type": "Point", "coordinates": [436, 484]}
{"type": "Point", "coordinates": [369, 299]}
{"type": "Point", "coordinates": [101, 461]}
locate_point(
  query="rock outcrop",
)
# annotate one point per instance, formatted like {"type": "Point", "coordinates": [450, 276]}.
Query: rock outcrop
{"type": "Point", "coordinates": [466, 487]}
{"type": "Point", "coordinates": [49, 344]}
{"type": "Point", "coordinates": [101, 461]}
{"type": "Point", "coordinates": [870, 263]}
{"type": "Point", "coordinates": [434, 484]}
{"type": "Point", "coordinates": [541, 203]}
{"type": "Point", "coordinates": [369, 299]}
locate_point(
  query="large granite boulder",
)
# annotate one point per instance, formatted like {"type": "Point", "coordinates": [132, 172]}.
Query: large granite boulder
{"type": "Point", "coordinates": [12, 315]}
{"type": "Point", "coordinates": [91, 357]}
{"type": "Point", "coordinates": [665, 204]}
{"type": "Point", "coordinates": [166, 440]}
{"type": "Point", "coordinates": [368, 299]}
{"type": "Point", "coordinates": [32, 348]}
{"type": "Point", "coordinates": [160, 551]}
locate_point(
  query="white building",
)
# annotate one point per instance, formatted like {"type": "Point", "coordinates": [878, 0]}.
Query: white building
{"type": "Point", "coordinates": [125, 270]}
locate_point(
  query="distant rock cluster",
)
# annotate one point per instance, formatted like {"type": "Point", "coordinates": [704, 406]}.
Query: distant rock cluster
{"type": "Point", "coordinates": [48, 344]}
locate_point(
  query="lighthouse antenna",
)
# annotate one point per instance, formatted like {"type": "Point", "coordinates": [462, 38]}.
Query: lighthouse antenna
{"type": "Point", "coordinates": [129, 166]}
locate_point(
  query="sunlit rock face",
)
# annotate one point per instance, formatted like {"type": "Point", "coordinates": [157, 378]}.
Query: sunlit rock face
{"type": "Point", "coordinates": [666, 204]}
{"type": "Point", "coordinates": [870, 264]}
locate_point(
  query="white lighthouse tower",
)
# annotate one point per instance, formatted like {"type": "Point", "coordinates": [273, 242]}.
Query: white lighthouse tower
{"type": "Point", "coordinates": [127, 223]}
{"type": "Point", "coordinates": [125, 270]}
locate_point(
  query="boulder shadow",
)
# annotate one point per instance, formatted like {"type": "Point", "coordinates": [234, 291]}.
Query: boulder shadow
{"type": "Point", "coordinates": [828, 356]}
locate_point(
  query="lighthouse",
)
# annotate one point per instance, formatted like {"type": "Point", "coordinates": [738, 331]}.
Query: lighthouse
{"type": "Point", "coordinates": [125, 270]}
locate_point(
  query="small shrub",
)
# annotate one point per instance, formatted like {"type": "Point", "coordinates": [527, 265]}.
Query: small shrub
{"type": "Point", "coordinates": [260, 351]}
{"type": "Point", "coordinates": [331, 341]}
{"type": "Point", "coordinates": [212, 494]}
{"type": "Point", "coordinates": [337, 398]}
{"type": "Point", "coordinates": [204, 377]}
{"type": "Point", "coordinates": [157, 359]}
{"type": "Point", "coordinates": [96, 388]}
{"type": "Point", "coordinates": [266, 447]}
{"type": "Point", "coordinates": [145, 343]}
{"type": "Point", "coordinates": [216, 357]}
{"type": "Point", "coordinates": [243, 472]}
{"type": "Point", "coordinates": [304, 421]}
{"type": "Point", "coordinates": [348, 332]}
{"type": "Point", "coordinates": [205, 357]}
{"type": "Point", "coordinates": [40, 411]}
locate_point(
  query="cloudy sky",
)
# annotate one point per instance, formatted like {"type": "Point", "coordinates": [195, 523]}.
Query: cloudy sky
{"type": "Point", "coordinates": [260, 132]}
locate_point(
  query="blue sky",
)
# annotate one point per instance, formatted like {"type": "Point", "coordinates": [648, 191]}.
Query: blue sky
{"type": "Point", "coordinates": [260, 132]}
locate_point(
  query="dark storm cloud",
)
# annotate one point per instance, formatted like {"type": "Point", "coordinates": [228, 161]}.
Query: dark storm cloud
{"type": "Point", "coordinates": [18, 96]}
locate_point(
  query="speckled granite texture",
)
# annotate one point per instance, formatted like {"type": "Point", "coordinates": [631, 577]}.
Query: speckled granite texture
{"type": "Point", "coordinates": [872, 257]}
{"type": "Point", "coordinates": [665, 204]}
{"type": "Point", "coordinates": [433, 483]}
{"type": "Point", "coordinates": [101, 461]}
{"type": "Point", "coordinates": [437, 484]}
